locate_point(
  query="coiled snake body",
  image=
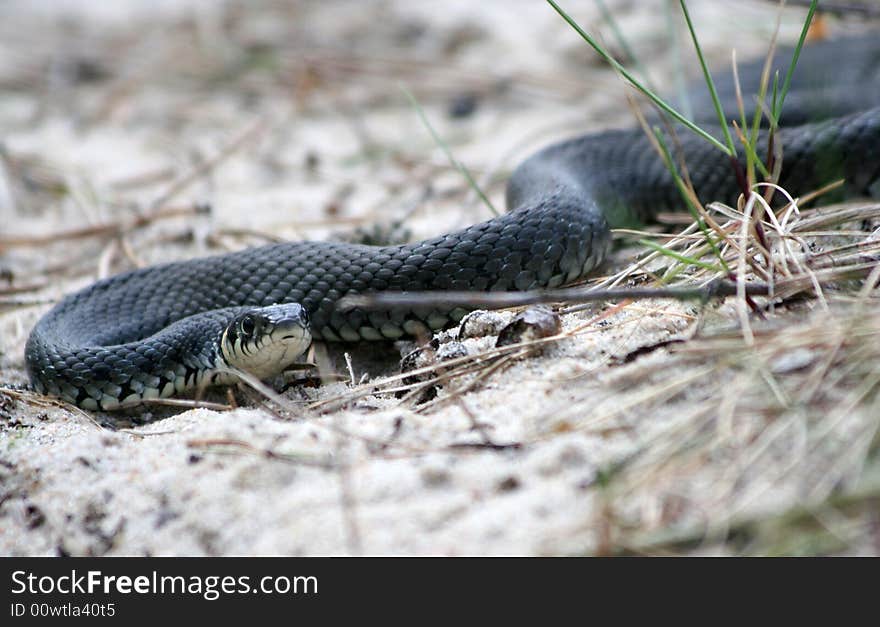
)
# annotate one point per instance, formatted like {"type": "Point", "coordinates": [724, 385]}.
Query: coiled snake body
{"type": "Point", "coordinates": [160, 330]}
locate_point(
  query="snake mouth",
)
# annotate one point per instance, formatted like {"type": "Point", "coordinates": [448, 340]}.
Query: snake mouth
{"type": "Point", "coordinates": [293, 337]}
{"type": "Point", "coordinates": [290, 329]}
{"type": "Point", "coordinates": [292, 332]}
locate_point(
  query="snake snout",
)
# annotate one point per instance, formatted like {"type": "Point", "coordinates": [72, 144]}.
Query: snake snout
{"type": "Point", "coordinates": [290, 320]}
{"type": "Point", "coordinates": [265, 340]}
{"type": "Point", "coordinates": [290, 316]}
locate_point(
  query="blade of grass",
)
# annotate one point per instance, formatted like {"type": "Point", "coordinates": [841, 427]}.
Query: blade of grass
{"type": "Point", "coordinates": [622, 42]}
{"type": "Point", "coordinates": [751, 155]}
{"type": "Point", "coordinates": [678, 68]}
{"type": "Point", "coordinates": [709, 82]}
{"type": "Point", "coordinates": [762, 92]}
{"type": "Point", "coordinates": [777, 104]}
{"type": "Point", "coordinates": [662, 104]}
{"type": "Point", "coordinates": [452, 160]}
{"type": "Point", "coordinates": [679, 183]}
{"type": "Point", "coordinates": [679, 257]}
{"type": "Point", "coordinates": [752, 158]}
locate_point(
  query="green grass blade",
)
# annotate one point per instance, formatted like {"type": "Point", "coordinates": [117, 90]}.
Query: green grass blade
{"type": "Point", "coordinates": [452, 160]}
{"type": "Point", "coordinates": [638, 85]}
{"type": "Point", "coordinates": [679, 257]}
{"type": "Point", "coordinates": [679, 183]}
{"type": "Point", "coordinates": [622, 42]}
{"type": "Point", "coordinates": [709, 82]}
{"type": "Point", "coordinates": [777, 104]}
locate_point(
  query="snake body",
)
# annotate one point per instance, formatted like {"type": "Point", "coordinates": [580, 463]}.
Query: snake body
{"type": "Point", "coordinates": [153, 331]}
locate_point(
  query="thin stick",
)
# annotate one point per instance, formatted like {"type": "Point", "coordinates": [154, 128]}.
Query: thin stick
{"type": "Point", "coordinates": [519, 299]}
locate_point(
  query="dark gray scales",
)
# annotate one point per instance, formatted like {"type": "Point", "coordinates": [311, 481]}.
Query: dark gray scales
{"type": "Point", "coordinates": [133, 329]}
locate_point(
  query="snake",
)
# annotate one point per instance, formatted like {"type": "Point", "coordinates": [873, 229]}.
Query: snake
{"type": "Point", "coordinates": [167, 329]}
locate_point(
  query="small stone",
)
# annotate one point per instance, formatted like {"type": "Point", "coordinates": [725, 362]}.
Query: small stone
{"type": "Point", "coordinates": [531, 324]}
{"type": "Point", "coordinates": [435, 477]}
{"type": "Point", "coordinates": [463, 105]}
{"type": "Point", "coordinates": [509, 484]}
{"type": "Point", "coordinates": [482, 324]}
{"type": "Point", "coordinates": [451, 350]}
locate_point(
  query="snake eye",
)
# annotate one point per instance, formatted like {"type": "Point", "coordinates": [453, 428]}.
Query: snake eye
{"type": "Point", "coordinates": [248, 326]}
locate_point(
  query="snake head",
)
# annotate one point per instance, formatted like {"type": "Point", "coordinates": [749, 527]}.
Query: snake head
{"type": "Point", "coordinates": [265, 340]}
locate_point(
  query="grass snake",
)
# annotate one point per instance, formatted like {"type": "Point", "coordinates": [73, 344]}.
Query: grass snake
{"type": "Point", "coordinates": [161, 330]}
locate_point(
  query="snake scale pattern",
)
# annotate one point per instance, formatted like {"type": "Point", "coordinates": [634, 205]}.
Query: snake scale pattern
{"type": "Point", "coordinates": [154, 331]}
